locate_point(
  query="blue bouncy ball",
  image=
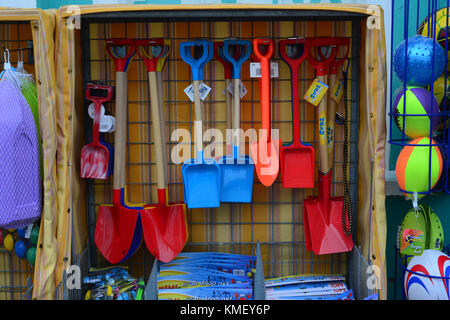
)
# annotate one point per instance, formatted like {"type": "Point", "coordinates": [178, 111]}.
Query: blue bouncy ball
{"type": "Point", "coordinates": [424, 62]}
{"type": "Point", "coordinates": [21, 249]}
{"type": "Point", "coordinates": [21, 232]}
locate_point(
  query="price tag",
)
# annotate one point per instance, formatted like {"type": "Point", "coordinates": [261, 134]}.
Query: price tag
{"type": "Point", "coordinates": [412, 242]}
{"type": "Point", "coordinates": [28, 231]}
{"type": "Point", "coordinates": [338, 90]}
{"type": "Point", "coordinates": [242, 89]}
{"type": "Point", "coordinates": [255, 70]}
{"type": "Point", "coordinates": [203, 90]}
{"type": "Point", "coordinates": [316, 92]}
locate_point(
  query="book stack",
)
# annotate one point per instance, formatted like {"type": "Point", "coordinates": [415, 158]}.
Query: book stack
{"type": "Point", "coordinates": [308, 287]}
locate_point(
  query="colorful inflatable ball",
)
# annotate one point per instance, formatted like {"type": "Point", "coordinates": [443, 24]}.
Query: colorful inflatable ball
{"type": "Point", "coordinates": [425, 277]}
{"type": "Point", "coordinates": [441, 33]}
{"type": "Point", "coordinates": [20, 249]}
{"type": "Point", "coordinates": [419, 61]}
{"type": "Point", "coordinates": [441, 88]}
{"type": "Point", "coordinates": [414, 171]}
{"type": "Point", "coordinates": [34, 235]}
{"type": "Point", "coordinates": [415, 109]}
{"type": "Point", "coordinates": [21, 232]}
{"type": "Point", "coordinates": [31, 255]}
{"type": "Point", "coordinates": [8, 242]}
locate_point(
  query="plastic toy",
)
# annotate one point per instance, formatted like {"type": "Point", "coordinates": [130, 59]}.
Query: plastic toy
{"type": "Point", "coordinates": [20, 249]}
{"type": "Point", "coordinates": [413, 169]}
{"type": "Point", "coordinates": [439, 91]}
{"type": "Point", "coordinates": [441, 32]}
{"type": "Point", "coordinates": [409, 105]}
{"type": "Point", "coordinates": [31, 255]}
{"type": "Point", "coordinates": [420, 231]}
{"type": "Point", "coordinates": [424, 62]}
{"type": "Point", "coordinates": [425, 276]}
{"type": "Point", "coordinates": [9, 242]}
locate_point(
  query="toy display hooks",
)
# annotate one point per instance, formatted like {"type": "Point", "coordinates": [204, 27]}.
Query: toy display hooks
{"type": "Point", "coordinates": [419, 105]}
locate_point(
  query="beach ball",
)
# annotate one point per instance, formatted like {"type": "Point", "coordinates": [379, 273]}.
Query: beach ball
{"type": "Point", "coordinates": [21, 232]}
{"type": "Point", "coordinates": [414, 170]}
{"type": "Point", "coordinates": [441, 87]}
{"type": "Point", "coordinates": [419, 61]}
{"type": "Point", "coordinates": [9, 242]}
{"type": "Point", "coordinates": [34, 235]}
{"type": "Point", "coordinates": [416, 101]}
{"type": "Point", "coordinates": [418, 284]}
{"type": "Point", "coordinates": [441, 33]}
{"type": "Point", "coordinates": [31, 255]}
{"type": "Point", "coordinates": [20, 249]}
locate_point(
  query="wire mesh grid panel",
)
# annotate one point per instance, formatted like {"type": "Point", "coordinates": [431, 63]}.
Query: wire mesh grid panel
{"type": "Point", "coordinates": [15, 274]}
{"type": "Point", "coordinates": [420, 43]}
{"type": "Point", "coordinates": [15, 277]}
{"type": "Point", "coordinates": [422, 21]}
{"type": "Point", "coordinates": [274, 217]}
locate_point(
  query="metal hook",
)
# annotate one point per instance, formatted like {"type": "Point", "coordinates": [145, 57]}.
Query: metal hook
{"type": "Point", "coordinates": [7, 65]}
{"type": "Point", "coordinates": [5, 55]}
{"type": "Point", "coordinates": [415, 205]}
{"type": "Point", "coordinates": [296, 38]}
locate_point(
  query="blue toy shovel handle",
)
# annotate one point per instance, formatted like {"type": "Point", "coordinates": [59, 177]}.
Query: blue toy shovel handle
{"type": "Point", "coordinates": [237, 64]}
{"type": "Point", "coordinates": [196, 64]}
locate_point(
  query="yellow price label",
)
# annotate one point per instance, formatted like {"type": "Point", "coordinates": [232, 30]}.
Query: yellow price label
{"type": "Point", "coordinates": [323, 137]}
{"type": "Point", "coordinates": [316, 92]}
{"type": "Point", "coordinates": [338, 90]}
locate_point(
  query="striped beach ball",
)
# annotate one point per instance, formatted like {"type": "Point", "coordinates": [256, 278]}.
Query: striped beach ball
{"type": "Point", "coordinates": [414, 170]}
{"type": "Point", "coordinates": [417, 108]}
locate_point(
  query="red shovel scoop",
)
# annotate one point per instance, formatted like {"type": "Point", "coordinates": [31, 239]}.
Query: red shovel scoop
{"type": "Point", "coordinates": [297, 159]}
{"type": "Point", "coordinates": [95, 156]}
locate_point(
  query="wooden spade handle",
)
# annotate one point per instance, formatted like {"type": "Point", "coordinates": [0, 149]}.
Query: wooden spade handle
{"type": "Point", "coordinates": [159, 77]}
{"type": "Point", "coordinates": [156, 123]}
{"type": "Point", "coordinates": [331, 114]}
{"type": "Point", "coordinates": [120, 135]}
{"type": "Point", "coordinates": [229, 105]}
{"type": "Point", "coordinates": [322, 122]}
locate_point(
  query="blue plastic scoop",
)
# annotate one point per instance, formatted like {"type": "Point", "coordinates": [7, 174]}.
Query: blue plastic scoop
{"type": "Point", "coordinates": [236, 170]}
{"type": "Point", "coordinates": [201, 176]}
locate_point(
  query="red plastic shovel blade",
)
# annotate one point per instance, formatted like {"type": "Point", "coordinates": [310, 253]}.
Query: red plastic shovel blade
{"type": "Point", "coordinates": [323, 221]}
{"type": "Point", "coordinates": [165, 229]}
{"type": "Point", "coordinates": [265, 155]}
{"type": "Point", "coordinates": [325, 227]}
{"type": "Point", "coordinates": [307, 203]}
{"type": "Point", "coordinates": [114, 230]}
{"type": "Point", "coordinates": [94, 161]}
{"type": "Point", "coordinates": [297, 166]}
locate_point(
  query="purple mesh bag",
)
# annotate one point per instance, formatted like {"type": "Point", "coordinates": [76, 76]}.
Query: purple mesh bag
{"type": "Point", "coordinates": [20, 191]}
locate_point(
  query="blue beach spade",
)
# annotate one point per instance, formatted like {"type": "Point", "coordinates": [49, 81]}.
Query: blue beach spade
{"type": "Point", "coordinates": [236, 170]}
{"type": "Point", "coordinates": [201, 176]}
{"type": "Point", "coordinates": [198, 56]}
